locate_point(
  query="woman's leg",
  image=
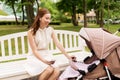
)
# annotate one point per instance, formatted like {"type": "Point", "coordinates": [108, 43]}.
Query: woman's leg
{"type": "Point", "coordinates": [46, 74]}
{"type": "Point", "coordinates": [55, 74]}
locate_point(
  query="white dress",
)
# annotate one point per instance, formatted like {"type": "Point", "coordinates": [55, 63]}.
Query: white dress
{"type": "Point", "coordinates": [42, 39]}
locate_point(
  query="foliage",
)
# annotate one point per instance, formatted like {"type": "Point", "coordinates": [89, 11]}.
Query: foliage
{"type": "Point", "coordinates": [66, 5]}
{"type": "Point", "coordinates": [52, 7]}
{"type": "Point", "coordinates": [59, 9]}
{"type": "Point", "coordinates": [71, 7]}
{"type": "Point", "coordinates": [11, 22]}
{"type": "Point", "coordinates": [111, 9]}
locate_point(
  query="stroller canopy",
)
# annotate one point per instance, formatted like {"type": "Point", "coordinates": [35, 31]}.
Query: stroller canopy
{"type": "Point", "coordinates": [102, 42]}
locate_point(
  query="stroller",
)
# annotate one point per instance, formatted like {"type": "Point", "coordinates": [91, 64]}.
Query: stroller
{"type": "Point", "coordinates": [105, 49]}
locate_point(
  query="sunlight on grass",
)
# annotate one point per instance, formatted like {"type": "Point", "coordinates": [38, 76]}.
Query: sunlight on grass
{"type": "Point", "coordinates": [8, 29]}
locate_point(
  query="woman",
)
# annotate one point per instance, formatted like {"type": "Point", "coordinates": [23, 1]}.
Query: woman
{"type": "Point", "coordinates": [39, 37]}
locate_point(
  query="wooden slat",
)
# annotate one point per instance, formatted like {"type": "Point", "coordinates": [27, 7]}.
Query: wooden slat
{"type": "Point", "coordinates": [23, 44]}
{"type": "Point", "coordinates": [66, 41]}
{"type": "Point", "coordinates": [75, 44]}
{"type": "Point", "coordinates": [70, 39]}
{"type": "Point", "coordinates": [2, 48]}
{"type": "Point", "coordinates": [16, 46]}
{"type": "Point", "coordinates": [9, 47]}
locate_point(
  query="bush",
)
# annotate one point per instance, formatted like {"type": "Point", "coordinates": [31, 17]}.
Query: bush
{"type": "Point", "coordinates": [55, 23]}
{"type": "Point", "coordinates": [10, 22]}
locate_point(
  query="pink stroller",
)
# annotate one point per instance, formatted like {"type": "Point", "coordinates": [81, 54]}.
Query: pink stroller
{"type": "Point", "coordinates": [105, 61]}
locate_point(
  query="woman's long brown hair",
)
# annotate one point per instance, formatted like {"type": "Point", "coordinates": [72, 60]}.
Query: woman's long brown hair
{"type": "Point", "coordinates": [36, 24]}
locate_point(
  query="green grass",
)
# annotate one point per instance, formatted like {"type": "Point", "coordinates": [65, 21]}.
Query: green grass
{"type": "Point", "coordinates": [69, 26]}
{"type": "Point", "coordinates": [9, 29]}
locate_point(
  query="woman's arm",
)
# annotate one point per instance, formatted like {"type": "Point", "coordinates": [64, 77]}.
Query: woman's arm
{"type": "Point", "coordinates": [34, 47]}
{"type": "Point", "coordinates": [59, 45]}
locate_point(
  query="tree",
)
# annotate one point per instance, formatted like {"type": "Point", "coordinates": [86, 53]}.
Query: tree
{"type": "Point", "coordinates": [11, 3]}
{"type": "Point", "coordinates": [23, 15]}
{"type": "Point", "coordinates": [29, 11]}
{"type": "Point", "coordinates": [51, 6]}
{"type": "Point", "coordinates": [101, 13]}
{"type": "Point", "coordinates": [22, 9]}
{"type": "Point", "coordinates": [70, 6]}
{"type": "Point", "coordinates": [110, 9]}
{"type": "Point", "coordinates": [37, 4]}
{"type": "Point", "coordinates": [28, 8]}
{"type": "Point", "coordinates": [85, 10]}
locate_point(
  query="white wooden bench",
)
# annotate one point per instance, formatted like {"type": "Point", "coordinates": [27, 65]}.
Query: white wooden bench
{"type": "Point", "coordinates": [14, 49]}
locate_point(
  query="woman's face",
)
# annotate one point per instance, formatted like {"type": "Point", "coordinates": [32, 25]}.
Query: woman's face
{"type": "Point", "coordinates": [45, 20]}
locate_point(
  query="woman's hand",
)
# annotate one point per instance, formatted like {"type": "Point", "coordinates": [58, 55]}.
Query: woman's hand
{"type": "Point", "coordinates": [73, 58]}
{"type": "Point", "coordinates": [73, 62]}
{"type": "Point", "coordinates": [50, 62]}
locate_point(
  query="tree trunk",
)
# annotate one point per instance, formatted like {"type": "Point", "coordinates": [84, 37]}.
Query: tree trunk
{"type": "Point", "coordinates": [30, 12]}
{"type": "Point", "coordinates": [85, 10]}
{"type": "Point", "coordinates": [97, 17]}
{"type": "Point", "coordinates": [14, 13]}
{"type": "Point", "coordinates": [37, 3]}
{"type": "Point", "coordinates": [23, 17]}
{"type": "Point", "coordinates": [74, 21]}
{"type": "Point", "coordinates": [102, 12]}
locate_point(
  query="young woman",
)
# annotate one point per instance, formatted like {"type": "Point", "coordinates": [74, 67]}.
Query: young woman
{"type": "Point", "coordinates": [39, 36]}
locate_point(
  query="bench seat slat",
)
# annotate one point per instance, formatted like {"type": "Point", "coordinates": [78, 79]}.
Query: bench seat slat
{"type": "Point", "coordinates": [13, 57]}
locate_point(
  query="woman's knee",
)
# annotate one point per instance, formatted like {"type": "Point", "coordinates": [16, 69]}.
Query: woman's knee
{"type": "Point", "coordinates": [50, 69]}
{"type": "Point", "coordinates": [56, 71]}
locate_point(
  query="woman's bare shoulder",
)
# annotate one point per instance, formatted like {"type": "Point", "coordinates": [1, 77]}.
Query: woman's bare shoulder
{"type": "Point", "coordinates": [51, 28]}
{"type": "Point", "coordinates": [29, 31]}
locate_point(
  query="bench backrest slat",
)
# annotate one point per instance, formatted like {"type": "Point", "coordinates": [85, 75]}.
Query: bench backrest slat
{"type": "Point", "coordinates": [9, 47]}
{"type": "Point", "coordinates": [14, 46]}
{"type": "Point", "coordinates": [66, 44]}
{"type": "Point", "coordinates": [2, 48]}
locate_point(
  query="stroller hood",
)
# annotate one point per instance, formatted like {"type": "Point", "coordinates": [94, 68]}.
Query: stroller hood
{"type": "Point", "coordinates": [102, 42]}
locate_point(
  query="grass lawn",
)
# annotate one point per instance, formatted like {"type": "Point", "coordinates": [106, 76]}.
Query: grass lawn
{"type": "Point", "coordinates": [8, 29]}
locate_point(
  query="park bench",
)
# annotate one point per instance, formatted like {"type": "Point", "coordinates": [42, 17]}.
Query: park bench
{"type": "Point", "coordinates": [14, 50]}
